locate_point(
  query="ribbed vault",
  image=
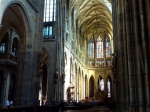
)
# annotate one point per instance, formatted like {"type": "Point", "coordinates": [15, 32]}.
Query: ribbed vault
{"type": "Point", "coordinates": [93, 17]}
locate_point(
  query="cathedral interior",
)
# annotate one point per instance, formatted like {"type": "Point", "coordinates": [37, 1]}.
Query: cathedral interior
{"type": "Point", "coordinates": [75, 50]}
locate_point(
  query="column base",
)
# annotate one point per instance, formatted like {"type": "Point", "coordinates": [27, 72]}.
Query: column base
{"type": "Point", "coordinates": [133, 109]}
{"type": "Point", "coordinates": [148, 108]}
{"type": "Point", "coordinates": [139, 109]}
{"type": "Point", "coordinates": [142, 109]}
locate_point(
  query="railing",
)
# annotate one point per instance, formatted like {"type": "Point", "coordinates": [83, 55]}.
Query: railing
{"type": "Point", "coordinates": [8, 58]}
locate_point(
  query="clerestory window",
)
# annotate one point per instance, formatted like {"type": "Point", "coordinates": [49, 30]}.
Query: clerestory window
{"type": "Point", "coordinates": [99, 47]}
{"type": "Point", "coordinates": [49, 18]}
{"type": "Point", "coordinates": [108, 47]}
{"type": "Point", "coordinates": [47, 32]}
{"type": "Point", "coordinates": [50, 10]}
{"type": "Point", "coordinates": [91, 48]}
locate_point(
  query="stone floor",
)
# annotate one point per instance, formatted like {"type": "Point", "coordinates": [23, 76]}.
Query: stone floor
{"type": "Point", "coordinates": [94, 109]}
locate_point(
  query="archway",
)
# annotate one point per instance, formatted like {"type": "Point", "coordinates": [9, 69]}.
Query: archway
{"type": "Point", "coordinates": [14, 35]}
{"type": "Point", "coordinates": [109, 87]}
{"type": "Point", "coordinates": [91, 87]}
{"type": "Point", "coordinates": [43, 77]}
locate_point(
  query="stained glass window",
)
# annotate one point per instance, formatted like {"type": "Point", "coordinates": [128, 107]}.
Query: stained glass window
{"type": "Point", "coordinates": [108, 87]}
{"type": "Point", "coordinates": [47, 32]}
{"type": "Point", "coordinates": [49, 10]}
{"type": "Point", "coordinates": [91, 48]}
{"type": "Point", "coordinates": [108, 62]}
{"type": "Point", "coordinates": [100, 62]}
{"type": "Point", "coordinates": [108, 47]}
{"type": "Point", "coordinates": [91, 62]}
{"type": "Point", "coordinates": [101, 84]}
{"type": "Point", "coordinates": [99, 46]}
{"type": "Point", "coordinates": [2, 48]}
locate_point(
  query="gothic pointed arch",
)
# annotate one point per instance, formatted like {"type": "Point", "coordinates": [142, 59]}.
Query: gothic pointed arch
{"type": "Point", "coordinates": [16, 27]}
{"type": "Point", "coordinates": [43, 75]}
{"type": "Point", "coordinates": [18, 19]}
{"type": "Point", "coordinates": [101, 86]}
{"type": "Point", "coordinates": [91, 87]}
{"type": "Point", "coordinates": [109, 86]}
{"type": "Point", "coordinates": [4, 43]}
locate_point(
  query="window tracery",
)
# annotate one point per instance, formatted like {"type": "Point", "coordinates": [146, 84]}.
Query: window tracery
{"type": "Point", "coordinates": [102, 49]}
{"type": "Point", "coordinates": [108, 47]}
{"type": "Point", "coordinates": [91, 48]}
{"type": "Point", "coordinates": [49, 18]}
{"type": "Point", "coordinates": [99, 46]}
{"type": "Point", "coordinates": [49, 10]}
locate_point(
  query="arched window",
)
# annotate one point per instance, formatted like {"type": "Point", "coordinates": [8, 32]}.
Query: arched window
{"type": "Point", "coordinates": [108, 47]}
{"type": "Point", "coordinates": [91, 87]}
{"type": "Point", "coordinates": [2, 48]}
{"type": "Point", "coordinates": [109, 87]}
{"type": "Point", "coordinates": [101, 84]}
{"type": "Point", "coordinates": [49, 18]}
{"type": "Point", "coordinates": [91, 48]}
{"type": "Point", "coordinates": [15, 46]}
{"type": "Point", "coordinates": [47, 32]}
{"type": "Point", "coordinates": [4, 44]}
{"type": "Point", "coordinates": [49, 10]}
{"type": "Point", "coordinates": [99, 47]}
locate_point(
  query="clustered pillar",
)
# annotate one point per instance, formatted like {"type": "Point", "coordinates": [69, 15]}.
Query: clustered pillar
{"type": "Point", "coordinates": [131, 43]}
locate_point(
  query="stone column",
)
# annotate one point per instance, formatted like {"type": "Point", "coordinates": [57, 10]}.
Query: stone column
{"type": "Point", "coordinates": [130, 55]}
{"type": "Point", "coordinates": [76, 84]}
{"type": "Point", "coordinates": [59, 45]}
{"type": "Point", "coordinates": [120, 51]}
{"type": "Point", "coordinates": [5, 88]}
{"type": "Point", "coordinates": [27, 77]}
{"type": "Point", "coordinates": [139, 57]}
{"type": "Point", "coordinates": [114, 22]}
{"type": "Point", "coordinates": [144, 46]}
{"type": "Point", "coordinates": [147, 77]}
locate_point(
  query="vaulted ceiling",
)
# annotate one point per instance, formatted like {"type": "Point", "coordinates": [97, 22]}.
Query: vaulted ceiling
{"type": "Point", "coordinates": [94, 16]}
